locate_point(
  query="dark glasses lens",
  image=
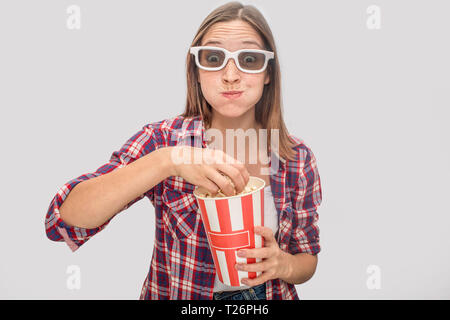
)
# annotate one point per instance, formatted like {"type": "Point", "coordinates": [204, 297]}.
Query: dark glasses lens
{"type": "Point", "coordinates": [211, 58]}
{"type": "Point", "coordinates": [251, 60]}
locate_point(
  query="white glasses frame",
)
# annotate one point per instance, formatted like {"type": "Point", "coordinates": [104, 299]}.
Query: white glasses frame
{"type": "Point", "coordinates": [268, 55]}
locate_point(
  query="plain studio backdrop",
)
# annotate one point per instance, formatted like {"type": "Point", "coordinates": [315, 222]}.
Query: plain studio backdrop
{"type": "Point", "coordinates": [364, 83]}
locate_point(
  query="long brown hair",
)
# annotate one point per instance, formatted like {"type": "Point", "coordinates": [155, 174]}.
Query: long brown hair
{"type": "Point", "coordinates": [268, 110]}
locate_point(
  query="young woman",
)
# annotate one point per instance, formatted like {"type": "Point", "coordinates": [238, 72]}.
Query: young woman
{"type": "Point", "coordinates": [233, 80]}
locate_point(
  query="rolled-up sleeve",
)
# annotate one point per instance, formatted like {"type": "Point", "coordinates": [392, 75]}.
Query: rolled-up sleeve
{"type": "Point", "coordinates": [143, 142]}
{"type": "Point", "coordinates": [307, 196]}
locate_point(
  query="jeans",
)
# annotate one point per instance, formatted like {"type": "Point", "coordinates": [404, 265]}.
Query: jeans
{"type": "Point", "coordinates": [253, 293]}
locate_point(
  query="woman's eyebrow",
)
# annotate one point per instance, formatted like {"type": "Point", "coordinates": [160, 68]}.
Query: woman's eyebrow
{"type": "Point", "coordinates": [243, 42]}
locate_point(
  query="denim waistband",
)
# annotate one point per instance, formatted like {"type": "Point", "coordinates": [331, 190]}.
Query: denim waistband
{"type": "Point", "coordinates": [254, 293]}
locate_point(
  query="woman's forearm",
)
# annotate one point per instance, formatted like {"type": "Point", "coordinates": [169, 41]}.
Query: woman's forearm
{"type": "Point", "coordinates": [93, 202]}
{"type": "Point", "coordinates": [301, 267]}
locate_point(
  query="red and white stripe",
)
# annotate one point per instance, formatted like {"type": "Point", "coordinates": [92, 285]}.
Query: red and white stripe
{"type": "Point", "coordinates": [229, 224]}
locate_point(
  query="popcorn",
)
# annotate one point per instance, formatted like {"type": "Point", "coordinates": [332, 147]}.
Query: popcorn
{"type": "Point", "coordinates": [220, 194]}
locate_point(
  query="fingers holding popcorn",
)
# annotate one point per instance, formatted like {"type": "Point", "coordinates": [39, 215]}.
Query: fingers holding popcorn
{"type": "Point", "coordinates": [220, 193]}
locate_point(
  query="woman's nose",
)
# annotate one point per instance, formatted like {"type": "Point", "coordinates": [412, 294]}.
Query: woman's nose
{"type": "Point", "coordinates": [231, 71]}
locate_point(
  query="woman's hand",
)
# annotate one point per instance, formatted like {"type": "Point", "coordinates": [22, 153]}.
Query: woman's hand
{"type": "Point", "coordinates": [203, 167]}
{"type": "Point", "coordinates": [275, 263]}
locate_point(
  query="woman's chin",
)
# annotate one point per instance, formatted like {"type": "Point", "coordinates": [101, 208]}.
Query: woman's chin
{"type": "Point", "coordinates": [232, 111]}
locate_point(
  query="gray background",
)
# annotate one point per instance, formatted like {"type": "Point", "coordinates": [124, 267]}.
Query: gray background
{"type": "Point", "coordinates": [371, 104]}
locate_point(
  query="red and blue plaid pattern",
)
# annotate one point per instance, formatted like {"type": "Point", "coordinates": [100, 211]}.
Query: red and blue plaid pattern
{"type": "Point", "coordinates": [182, 266]}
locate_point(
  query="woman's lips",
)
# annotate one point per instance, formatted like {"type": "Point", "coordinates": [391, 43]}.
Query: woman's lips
{"type": "Point", "coordinates": [232, 95]}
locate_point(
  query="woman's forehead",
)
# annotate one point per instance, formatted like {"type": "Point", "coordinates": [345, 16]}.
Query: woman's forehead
{"type": "Point", "coordinates": [232, 34]}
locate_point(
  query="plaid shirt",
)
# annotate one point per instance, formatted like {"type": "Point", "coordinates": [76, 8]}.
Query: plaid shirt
{"type": "Point", "coordinates": [182, 266]}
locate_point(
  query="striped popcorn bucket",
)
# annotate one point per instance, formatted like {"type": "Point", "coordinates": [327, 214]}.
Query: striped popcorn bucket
{"type": "Point", "coordinates": [229, 224]}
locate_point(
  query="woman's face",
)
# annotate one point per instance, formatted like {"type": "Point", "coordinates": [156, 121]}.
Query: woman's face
{"type": "Point", "coordinates": [233, 35]}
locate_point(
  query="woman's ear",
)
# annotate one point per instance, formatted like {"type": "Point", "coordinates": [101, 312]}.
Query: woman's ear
{"type": "Point", "coordinates": [267, 77]}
